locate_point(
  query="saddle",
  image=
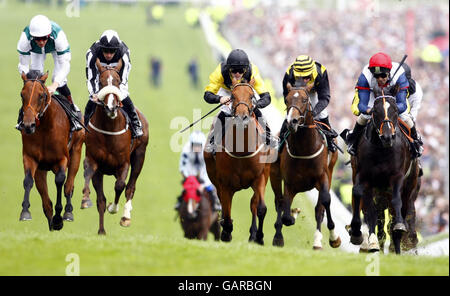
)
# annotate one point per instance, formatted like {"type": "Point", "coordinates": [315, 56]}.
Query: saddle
{"type": "Point", "coordinates": [65, 104]}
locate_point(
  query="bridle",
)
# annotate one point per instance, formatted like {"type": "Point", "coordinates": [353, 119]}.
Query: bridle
{"type": "Point", "coordinates": [250, 108]}
{"type": "Point", "coordinates": [303, 114]}
{"type": "Point", "coordinates": [386, 119]}
{"type": "Point", "coordinates": [47, 100]}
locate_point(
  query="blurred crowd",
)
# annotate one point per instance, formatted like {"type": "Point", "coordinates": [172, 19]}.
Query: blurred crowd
{"type": "Point", "coordinates": [343, 42]}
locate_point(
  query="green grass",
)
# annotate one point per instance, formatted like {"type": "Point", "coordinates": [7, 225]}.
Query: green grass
{"type": "Point", "coordinates": [154, 244]}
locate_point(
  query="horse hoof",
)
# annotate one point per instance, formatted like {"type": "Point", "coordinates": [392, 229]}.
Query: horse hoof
{"type": "Point", "coordinates": [278, 242]}
{"type": "Point", "coordinates": [112, 209]}
{"type": "Point", "coordinates": [363, 250]}
{"type": "Point", "coordinates": [101, 232]}
{"type": "Point", "coordinates": [57, 223]}
{"type": "Point", "coordinates": [86, 204]}
{"type": "Point", "coordinates": [25, 216]}
{"type": "Point", "coordinates": [288, 220]}
{"type": "Point", "coordinates": [225, 237]}
{"type": "Point", "coordinates": [336, 243]}
{"type": "Point", "coordinates": [317, 248]}
{"type": "Point", "coordinates": [125, 222]}
{"type": "Point", "coordinates": [68, 216]}
{"type": "Point", "coordinates": [399, 227]}
{"type": "Point", "coordinates": [356, 240]}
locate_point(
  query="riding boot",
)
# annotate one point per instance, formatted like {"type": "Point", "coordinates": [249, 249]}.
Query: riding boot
{"type": "Point", "coordinates": [89, 111]}
{"type": "Point", "coordinates": [19, 125]}
{"type": "Point", "coordinates": [135, 122]}
{"type": "Point", "coordinates": [330, 136]}
{"type": "Point", "coordinates": [271, 142]}
{"type": "Point", "coordinates": [211, 147]}
{"type": "Point", "coordinates": [283, 135]}
{"type": "Point", "coordinates": [416, 144]}
{"type": "Point", "coordinates": [352, 138]}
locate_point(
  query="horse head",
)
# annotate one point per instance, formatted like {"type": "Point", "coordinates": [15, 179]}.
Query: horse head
{"type": "Point", "coordinates": [35, 99]}
{"type": "Point", "coordinates": [191, 196]}
{"type": "Point", "coordinates": [110, 95]}
{"type": "Point", "coordinates": [243, 96]}
{"type": "Point", "coordinates": [385, 113]}
{"type": "Point", "coordinates": [298, 106]}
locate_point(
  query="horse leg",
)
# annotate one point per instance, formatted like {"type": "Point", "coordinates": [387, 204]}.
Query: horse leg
{"type": "Point", "coordinates": [73, 166]}
{"type": "Point", "coordinates": [41, 185]}
{"type": "Point", "coordinates": [89, 170]}
{"type": "Point", "coordinates": [371, 217]}
{"type": "Point", "coordinates": [275, 182]}
{"type": "Point", "coordinates": [30, 167]}
{"type": "Point", "coordinates": [288, 197]}
{"type": "Point", "coordinates": [60, 177]}
{"type": "Point", "coordinates": [325, 200]}
{"type": "Point", "coordinates": [125, 221]}
{"type": "Point", "coordinates": [381, 219]}
{"type": "Point", "coordinates": [215, 227]}
{"type": "Point", "coordinates": [399, 226]}
{"type": "Point", "coordinates": [356, 237]}
{"type": "Point", "coordinates": [226, 198]}
{"type": "Point", "coordinates": [97, 182]}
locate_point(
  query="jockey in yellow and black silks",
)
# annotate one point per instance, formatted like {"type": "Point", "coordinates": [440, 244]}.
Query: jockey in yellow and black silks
{"type": "Point", "coordinates": [238, 66]}
{"type": "Point", "coordinates": [304, 70]}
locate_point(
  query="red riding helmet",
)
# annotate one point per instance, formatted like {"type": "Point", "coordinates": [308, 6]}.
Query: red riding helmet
{"type": "Point", "coordinates": [380, 62]}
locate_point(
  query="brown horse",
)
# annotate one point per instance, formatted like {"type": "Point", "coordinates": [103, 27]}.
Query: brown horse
{"type": "Point", "coordinates": [197, 217]}
{"type": "Point", "coordinates": [385, 173]}
{"type": "Point", "coordinates": [110, 149]}
{"type": "Point", "coordinates": [241, 162]}
{"type": "Point", "coordinates": [304, 164]}
{"type": "Point", "coordinates": [47, 144]}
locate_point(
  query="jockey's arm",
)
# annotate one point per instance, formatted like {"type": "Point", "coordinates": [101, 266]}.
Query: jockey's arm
{"type": "Point", "coordinates": [126, 71]}
{"type": "Point", "coordinates": [363, 89]}
{"type": "Point", "coordinates": [216, 81]}
{"type": "Point", "coordinates": [91, 74]}
{"type": "Point", "coordinates": [24, 48]}
{"type": "Point", "coordinates": [323, 93]}
{"type": "Point", "coordinates": [61, 59]}
{"type": "Point", "coordinates": [402, 105]}
{"type": "Point", "coordinates": [260, 88]}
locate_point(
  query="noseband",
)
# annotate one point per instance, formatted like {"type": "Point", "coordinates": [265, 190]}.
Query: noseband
{"type": "Point", "coordinates": [386, 119]}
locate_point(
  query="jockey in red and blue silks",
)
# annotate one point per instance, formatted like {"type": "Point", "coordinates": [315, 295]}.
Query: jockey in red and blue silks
{"type": "Point", "coordinates": [379, 71]}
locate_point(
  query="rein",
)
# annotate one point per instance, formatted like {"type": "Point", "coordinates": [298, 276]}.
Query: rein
{"type": "Point", "coordinates": [303, 114]}
{"type": "Point", "coordinates": [250, 109]}
{"type": "Point", "coordinates": [386, 118]}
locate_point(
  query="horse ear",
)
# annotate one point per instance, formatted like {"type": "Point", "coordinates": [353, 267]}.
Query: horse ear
{"type": "Point", "coordinates": [24, 76]}
{"type": "Point", "coordinates": [44, 77]}
{"type": "Point", "coordinates": [99, 66]}
{"type": "Point", "coordinates": [119, 65]}
{"type": "Point", "coordinates": [289, 86]}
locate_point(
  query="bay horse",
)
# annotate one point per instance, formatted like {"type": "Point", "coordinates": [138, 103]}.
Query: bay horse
{"type": "Point", "coordinates": [110, 149]}
{"type": "Point", "coordinates": [47, 145]}
{"type": "Point", "coordinates": [196, 211]}
{"type": "Point", "coordinates": [384, 173]}
{"type": "Point", "coordinates": [304, 163]}
{"type": "Point", "coordinates": [241, 162]}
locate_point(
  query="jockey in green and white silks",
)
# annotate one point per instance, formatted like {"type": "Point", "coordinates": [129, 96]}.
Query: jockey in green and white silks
{"type": "Point", "coordinates": [39, 38]}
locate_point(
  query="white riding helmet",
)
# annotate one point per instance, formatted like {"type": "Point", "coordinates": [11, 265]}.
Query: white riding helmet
{"type": "Point", "coordinates": [197, 137]}
{"type": "Point", "coordinates": [40, 26]}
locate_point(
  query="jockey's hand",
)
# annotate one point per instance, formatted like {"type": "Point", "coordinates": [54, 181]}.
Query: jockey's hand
{"type": "Point", "coordinates": [225, 100]}
{"type": "Point", "coordinates": [52, 87]}
{"type": "Point", "coordinates": [95, 98]}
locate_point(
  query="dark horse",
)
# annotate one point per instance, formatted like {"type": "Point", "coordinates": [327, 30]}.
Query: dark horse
{"type": "Point", "coordinates": [47, 144]}
{"type": "Point", "coordinates": [384, 175]}
{"type": "Point", "coordinates": [304, 164]}
{"type": "Point", "coordinates": [110, 149]}
{"type": "Point", "coordinates": [241, 162]}
{"type": "Point", "coordinates": [196, 211]}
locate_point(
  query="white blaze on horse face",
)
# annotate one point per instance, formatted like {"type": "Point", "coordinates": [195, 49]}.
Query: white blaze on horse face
{"type": "Point", "coordinates": [289, 115]}
{"type": "Point", "coordinates": [190, 206]}
{"type": "Point", "coordinates": [386, 106]}
{"type": "Point", "coordinates": [110, 80]}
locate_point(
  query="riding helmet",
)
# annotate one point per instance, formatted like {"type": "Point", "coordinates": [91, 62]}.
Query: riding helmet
{"type": "Point", "coordinates": [40, 26]}
{"type": "Point", "coordinates": [303, 66]}
{"type": "Point", "coordinates": [110, 39]}
{"type": "Point", "coordinates": [238, 58]}
{"type": "Point", "coordinates": [380, 63]}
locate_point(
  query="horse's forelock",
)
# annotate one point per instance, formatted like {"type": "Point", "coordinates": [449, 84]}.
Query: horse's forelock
{"type": "Point", "coordinates": [34, 74]}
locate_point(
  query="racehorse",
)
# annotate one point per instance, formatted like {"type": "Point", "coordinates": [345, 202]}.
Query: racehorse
{"type": "Point", "coordinates": [304, 164]}
{"type": "Point", "coordinates": [110, 149]}
{"type": "Point", "coordinates": [196, 211]}
{"type": "Point", "coordinates": [383, 168]}
{"type": "Point", "coordinates": [47, 144]}
{"type": "Point", "coordinates": [241, 162]}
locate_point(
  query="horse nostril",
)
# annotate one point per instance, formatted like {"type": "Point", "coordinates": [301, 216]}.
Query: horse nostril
{"type": "Point", "coordinates": [294, 121]}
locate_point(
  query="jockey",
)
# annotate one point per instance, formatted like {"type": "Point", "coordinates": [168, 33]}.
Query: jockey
{"type": "Point", "coordinates": [43, 36]}
{"type": "Point", "coordinates": [305, 69]}
{"type": "Point", "coordinates": [193, 164]}
{"type": "Point", "coordinates": [379, 71]}
{"type": "Point", "coordinates": [109, 49]}
{"type": "Point", "coordinates": [218, 90]}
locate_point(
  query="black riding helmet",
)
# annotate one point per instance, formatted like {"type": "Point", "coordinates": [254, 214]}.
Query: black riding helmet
{"type": "Point", "coordinates": [237, 59]}
{"type": "Point", "coordinates": [110, 40]}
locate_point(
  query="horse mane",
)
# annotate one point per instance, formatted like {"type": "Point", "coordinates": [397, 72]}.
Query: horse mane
{"type": "Point", "coordinates": [34, 74]}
